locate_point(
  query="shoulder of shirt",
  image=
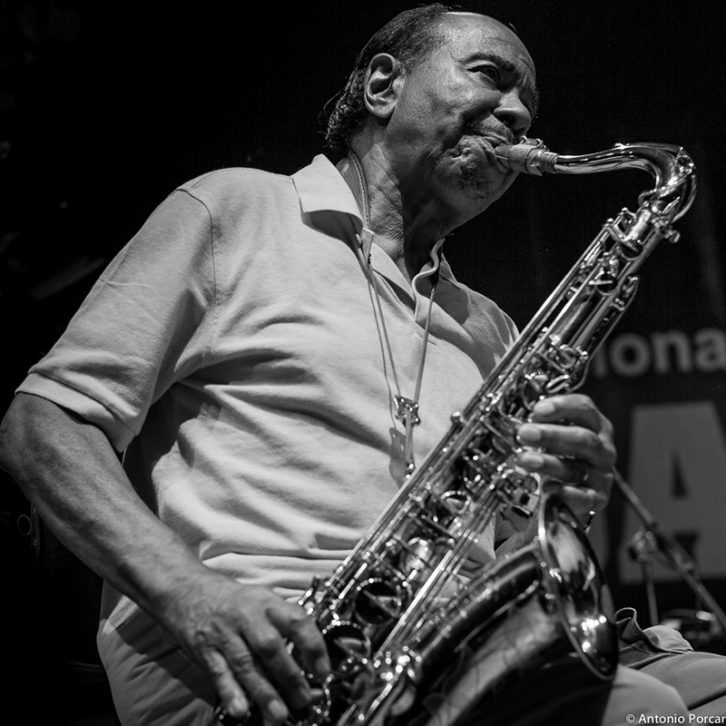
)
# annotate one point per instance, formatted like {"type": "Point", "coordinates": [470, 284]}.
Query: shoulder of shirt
{"type": "Point", "coordinates": [234, 186]}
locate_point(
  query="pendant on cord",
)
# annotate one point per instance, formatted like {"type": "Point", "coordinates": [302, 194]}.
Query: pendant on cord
{"type": "Point", "coordinates": [407, 411]}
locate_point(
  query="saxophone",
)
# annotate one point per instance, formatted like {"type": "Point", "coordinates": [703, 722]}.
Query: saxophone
{"type": "Point", "coordinates": [400, 617]}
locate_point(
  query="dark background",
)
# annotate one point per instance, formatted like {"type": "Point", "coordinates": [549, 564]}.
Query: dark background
{"type": "Point", "coordinates": [104, 109]}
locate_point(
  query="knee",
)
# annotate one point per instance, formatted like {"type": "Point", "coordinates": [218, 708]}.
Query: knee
{"type": "Point", "coordinates": [660, 699]}
{"type": "Point", "coordinates": [635, 693]}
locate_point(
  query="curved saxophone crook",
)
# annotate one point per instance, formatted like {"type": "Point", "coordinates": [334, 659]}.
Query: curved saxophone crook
{"type": "Point", "coordinates": [670, 166]}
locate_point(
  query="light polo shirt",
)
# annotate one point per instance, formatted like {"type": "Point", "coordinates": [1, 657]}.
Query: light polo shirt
{"type": "Point", "coordinates": [233, 351]}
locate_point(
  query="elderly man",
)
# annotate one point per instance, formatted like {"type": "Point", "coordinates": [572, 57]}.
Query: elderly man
{"type": "Point", "coordinates": [272, 355]}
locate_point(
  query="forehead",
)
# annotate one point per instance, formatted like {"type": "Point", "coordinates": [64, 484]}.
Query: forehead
{"type": "Point", "coordinates": [470, 35]}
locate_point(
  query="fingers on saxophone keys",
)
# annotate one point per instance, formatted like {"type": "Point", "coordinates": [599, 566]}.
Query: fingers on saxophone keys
{"type": "Point", "coordinates": [531, 459]}
{"type": "Point", "coordinates": [241, 678]}
{"type": "Point", "coordinates": [548, 465]}
{"type": "Point", "coordinates": [574, 442]}
{"type": "Point", "coordinates": [574, 408]}
{"type": "Point", "coordinates": [233, 701]}
{"type": "Point", "coordinates": [276, 660]}
{"type": "Point", "coordinates": [301, 630]}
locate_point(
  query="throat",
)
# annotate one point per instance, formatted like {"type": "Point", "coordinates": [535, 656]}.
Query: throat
{"type": "Point", "coordinates": [409, 260]}
{"type": "Point", "coordinates": [406, 239]}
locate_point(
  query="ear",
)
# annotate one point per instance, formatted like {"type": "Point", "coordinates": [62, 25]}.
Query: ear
{"type": "Point", "coordinates": [381, 85]}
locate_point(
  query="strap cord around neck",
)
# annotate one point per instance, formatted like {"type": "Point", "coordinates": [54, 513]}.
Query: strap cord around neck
{"type": "Point", "coordinates": [406, 408]}
{"type": "Point", "coordinates": [365, 202]}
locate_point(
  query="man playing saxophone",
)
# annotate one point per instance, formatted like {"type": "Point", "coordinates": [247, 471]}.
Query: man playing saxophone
{"type": "Point", "coordinates": [272, 355]}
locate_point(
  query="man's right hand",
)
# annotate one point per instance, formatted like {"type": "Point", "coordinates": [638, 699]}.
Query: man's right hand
{"type": "Point", "coordinates": [240, 634]}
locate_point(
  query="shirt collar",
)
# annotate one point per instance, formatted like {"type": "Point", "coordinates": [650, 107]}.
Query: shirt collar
{"type": "Point", "coordinates": [445, 270]}
{"type": "Point", "coordinates": [321, 188]}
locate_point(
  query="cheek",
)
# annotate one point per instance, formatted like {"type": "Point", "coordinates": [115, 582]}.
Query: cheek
{"type": "Point", "coordinates": [439, 107]}
{"type": "Point", "coordinates": [456, 106]}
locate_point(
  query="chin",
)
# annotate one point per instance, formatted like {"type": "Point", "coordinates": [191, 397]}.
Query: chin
{"type": "Point", "coordinates": [468, 195]}
{"type": "Point", "coordinates": [472, 183]}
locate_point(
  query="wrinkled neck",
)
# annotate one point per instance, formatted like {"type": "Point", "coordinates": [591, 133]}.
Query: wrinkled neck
{"type": "Point", "coordinates": [406, 232]}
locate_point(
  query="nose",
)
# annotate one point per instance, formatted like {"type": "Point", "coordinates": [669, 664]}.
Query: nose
{"type": "Point", "coordinates": [513, 113]}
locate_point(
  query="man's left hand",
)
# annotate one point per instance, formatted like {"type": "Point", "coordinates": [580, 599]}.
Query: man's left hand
{"type": "Point", "coordinates": [568, 439]}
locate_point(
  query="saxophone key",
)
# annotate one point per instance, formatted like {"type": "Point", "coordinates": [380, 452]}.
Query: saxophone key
{"type": "Point", "coordinates": [347, 645]}
{"type": "Point", "coordinates": [379, 601]}
{"type": "Point", "coordinates": [518, 490]}
{"type": "Point", "coordinates": [450, 506]}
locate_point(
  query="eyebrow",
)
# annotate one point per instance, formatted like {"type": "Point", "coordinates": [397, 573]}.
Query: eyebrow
{"type": "Point", "coordinates": [509, 67]}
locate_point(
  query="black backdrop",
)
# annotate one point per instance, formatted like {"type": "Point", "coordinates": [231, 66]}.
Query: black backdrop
{"type": "Point", "coordinates": [106, 108]}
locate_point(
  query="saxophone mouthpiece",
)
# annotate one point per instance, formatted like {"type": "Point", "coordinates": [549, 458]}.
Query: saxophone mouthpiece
{"type": "Point", "coordinates": [529, 156]}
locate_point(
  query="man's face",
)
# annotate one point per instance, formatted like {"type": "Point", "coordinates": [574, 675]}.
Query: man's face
{"type": "Point", "coordinates": [474, 91]}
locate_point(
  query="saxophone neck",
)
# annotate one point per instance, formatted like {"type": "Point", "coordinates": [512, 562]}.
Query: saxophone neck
{"type": "Point", "coordinates": [671, 168]}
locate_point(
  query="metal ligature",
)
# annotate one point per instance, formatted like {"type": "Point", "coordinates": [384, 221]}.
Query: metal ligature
{"type": "Point", "coordinates": [401, 616]}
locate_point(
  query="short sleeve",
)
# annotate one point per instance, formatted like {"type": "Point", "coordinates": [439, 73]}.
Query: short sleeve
{"type": "Point", "coordinates": [146, 322]}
